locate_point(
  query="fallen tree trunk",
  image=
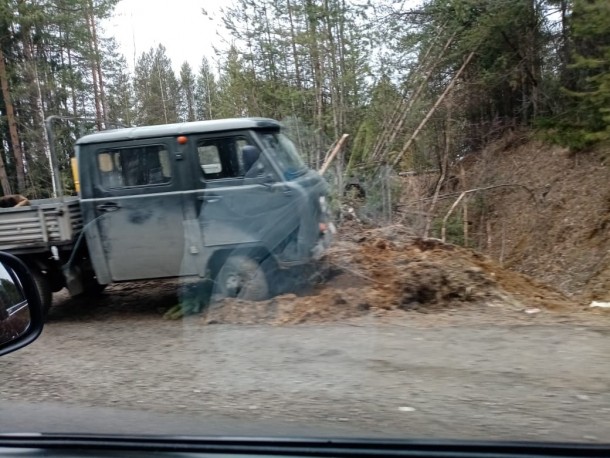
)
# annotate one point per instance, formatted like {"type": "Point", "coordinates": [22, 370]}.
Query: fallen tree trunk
{"type": "Point", "coordinates": [332, 155]}
{"type": "Point", "coordinates": [432, 110]}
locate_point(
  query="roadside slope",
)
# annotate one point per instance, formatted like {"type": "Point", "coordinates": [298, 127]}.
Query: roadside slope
{"type": "Point", "coordinates": [560, 232]}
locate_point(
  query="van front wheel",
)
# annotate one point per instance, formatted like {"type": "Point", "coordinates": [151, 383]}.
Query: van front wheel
{"type": "Point", "coordinates": [243, 278]}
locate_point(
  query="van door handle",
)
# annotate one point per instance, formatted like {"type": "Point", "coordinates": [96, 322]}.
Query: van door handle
{"type": "Point", "coordinates": [210, 198]}
{"type": "Point", "coordinates": [108, 207]}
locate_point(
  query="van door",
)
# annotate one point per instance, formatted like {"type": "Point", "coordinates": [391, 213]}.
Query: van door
{"type": "Point", "coordinates": [239, 209]}
{"type": "Point", "coordinates": [138, 200]}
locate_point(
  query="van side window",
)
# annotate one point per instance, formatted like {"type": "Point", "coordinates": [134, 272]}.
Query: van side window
{"type": "Point", "coordinates": [221, 157]}
{"type": "Point", "coordinates": [136, 166]}
{"type": "Point", "coordinates": [209, 159]}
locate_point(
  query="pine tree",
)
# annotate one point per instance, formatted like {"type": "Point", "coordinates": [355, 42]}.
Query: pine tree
{"type": "Point", "coordinates": [187, 93]}
{"type": "Point", "coordinates": [120, 92]}
{"type": "Point", "coordinates": [589, 119]}
{"type": "Point", "coordinates": [206, 95]}
{"type": "Point", "coordinates": [156, 89]}
{"type": "Point", "coordinates": [53, 54]}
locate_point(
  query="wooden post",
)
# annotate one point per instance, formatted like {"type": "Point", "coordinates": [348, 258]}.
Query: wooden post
{"type": "Point", "coordinates": [455, 204]}
{"type": "Point", "coordinates": [488, 225]}
{"type": "Point", "coordinates": [465, 222]}
{"type": "Point", "coordinates": [444, 166]}
{"type": "Point", "coordinates": [465, 204]}
{"type": "Point", "coordinates": [503, 243]}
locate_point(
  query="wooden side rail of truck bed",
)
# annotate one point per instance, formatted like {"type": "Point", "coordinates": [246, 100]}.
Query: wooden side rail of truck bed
{"type": "Point", "coordinates": [46, 222]}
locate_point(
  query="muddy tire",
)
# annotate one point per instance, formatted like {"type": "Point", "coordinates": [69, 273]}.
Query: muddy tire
{"type": "Point", "coordinates": [243, 278]}
{"type": "Point", "coordinates": [45, 291]}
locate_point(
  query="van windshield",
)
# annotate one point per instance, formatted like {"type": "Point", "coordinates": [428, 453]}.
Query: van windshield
{"type": "Point", "coordinates": [285, 154]}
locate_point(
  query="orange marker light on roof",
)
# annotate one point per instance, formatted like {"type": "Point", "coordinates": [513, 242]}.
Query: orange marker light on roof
{"type": "Point", "coordinates": [182, 140]}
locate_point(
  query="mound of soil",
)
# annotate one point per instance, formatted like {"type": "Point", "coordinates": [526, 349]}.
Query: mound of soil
{"type": "Point", "coordinates": [382, 271]}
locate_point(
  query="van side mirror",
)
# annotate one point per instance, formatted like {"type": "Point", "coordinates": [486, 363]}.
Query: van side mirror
{"type": "Point", "coordinates": [21, 315]}
{"type": "Point", "coordinates": [250, 155]}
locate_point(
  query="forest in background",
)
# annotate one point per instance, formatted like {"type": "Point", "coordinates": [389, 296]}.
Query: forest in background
{"type": "Point", "coordinates": [414, 87]}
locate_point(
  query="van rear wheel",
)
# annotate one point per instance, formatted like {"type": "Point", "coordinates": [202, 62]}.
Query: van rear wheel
{"type": "Point", "coordinates": [243, 278]}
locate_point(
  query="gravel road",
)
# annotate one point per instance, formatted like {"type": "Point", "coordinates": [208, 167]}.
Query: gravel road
{"type": "Point", "coordinates": [545, 377]}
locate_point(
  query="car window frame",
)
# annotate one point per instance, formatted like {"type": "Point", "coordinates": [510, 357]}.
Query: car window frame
{"type": "Point", "coordinates": [202, 182]}
{"type": "Point", "coordinates": [102, 191]}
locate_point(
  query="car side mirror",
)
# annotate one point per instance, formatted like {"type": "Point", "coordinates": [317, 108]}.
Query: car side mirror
{"type": "Point", "coordinates": [21, 315]}
{"type": "Point", "coordinates": [250, 155]}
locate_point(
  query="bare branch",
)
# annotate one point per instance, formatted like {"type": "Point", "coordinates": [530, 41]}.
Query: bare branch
{"type": "Point", "coordinates": [464, 193]}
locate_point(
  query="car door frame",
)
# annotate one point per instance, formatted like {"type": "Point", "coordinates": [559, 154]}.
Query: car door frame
{"type": "Point", "coordinates": [271, 180]}
{"type": "Point", "coordinates": [96, 194]}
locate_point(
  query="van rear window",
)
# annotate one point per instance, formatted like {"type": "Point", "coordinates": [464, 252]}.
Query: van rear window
{"type": "Point", "coordinates": [135, 166]}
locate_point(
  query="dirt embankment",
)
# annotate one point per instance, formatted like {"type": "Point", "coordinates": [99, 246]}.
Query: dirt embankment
{"type": "Point", "coordinates": [559, 232]}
